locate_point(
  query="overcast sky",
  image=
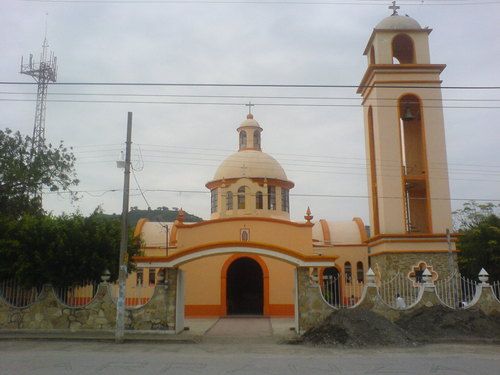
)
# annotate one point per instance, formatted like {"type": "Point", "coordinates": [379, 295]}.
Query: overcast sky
{"type": "Point", "coordinates": [320, 148]}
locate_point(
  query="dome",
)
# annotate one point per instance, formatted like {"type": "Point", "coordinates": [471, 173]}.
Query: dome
{"type": "Point", "coordinates": [339, 232]}
{"type": "Point", "coordinates": [250, 163]}
{"type": "Point", "coordinates": [250, 121]}
{"type": "Point", "coordinates": [397, 22]}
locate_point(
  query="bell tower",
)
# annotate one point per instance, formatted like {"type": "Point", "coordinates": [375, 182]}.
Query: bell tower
{"type": "Point", "coordinates": [408, 183]}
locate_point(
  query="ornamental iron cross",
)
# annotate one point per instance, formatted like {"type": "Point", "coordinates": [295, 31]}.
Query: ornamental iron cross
{"type": "Point", "coordinates": [250, 105]}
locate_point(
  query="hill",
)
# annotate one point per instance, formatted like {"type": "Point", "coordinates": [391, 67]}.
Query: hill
{"type": "Point", "coordinates": [159, 214]}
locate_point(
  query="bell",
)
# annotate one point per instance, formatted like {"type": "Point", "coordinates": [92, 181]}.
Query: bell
{"type": "Point", "coordinates": [408, 116]}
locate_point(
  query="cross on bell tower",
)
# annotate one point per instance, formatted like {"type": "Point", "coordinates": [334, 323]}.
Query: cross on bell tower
{"type": "Point", "coordinates": [394, 8]}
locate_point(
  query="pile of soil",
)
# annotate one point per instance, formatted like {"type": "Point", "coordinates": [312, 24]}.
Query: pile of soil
{"type": "Point", "coordinates": [364, 328]}
{"type": "Point", "coordinates": [357, 328]}
{"type": "Point", "coordinates": [439, 322]}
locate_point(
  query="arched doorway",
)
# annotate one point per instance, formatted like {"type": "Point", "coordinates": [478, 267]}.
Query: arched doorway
{"type": "Point", "coordinates": [331, 285]}
{"type": "Point", "coordinates": [245, 287]}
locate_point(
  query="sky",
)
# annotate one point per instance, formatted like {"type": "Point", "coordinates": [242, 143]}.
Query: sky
{"type": "Point", "coordinates": [177, 147]}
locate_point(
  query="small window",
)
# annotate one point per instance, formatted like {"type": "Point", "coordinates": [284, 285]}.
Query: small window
{"type": "Point", "coordinates": [360, 272]}
{"type": "Point", "coordinates": [271, 193]}
{"type": "Point", "coordinates": [140, 277]}
{"type": "Point", "coordinates": [348, 272]}
{"type": "Point", "coordinates": [256, 139]}
{"type": "Point", "coordinates": [213, 200]}
{"type": "Point", "coordinates": [243, 139]}
{"type": "Point", "coordinates": [285, 200]}
{"type": "Point", "coordinates": [259, 201]}
{"type": "Point", "coordinates": [152, 276]}
{"type": "Point", "coordinates": [229, 200]}
{"type": "Point", "coordinates": [241, 198]}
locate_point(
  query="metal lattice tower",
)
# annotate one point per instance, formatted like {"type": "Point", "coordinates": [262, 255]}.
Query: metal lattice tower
{"type": "Point", "coordinates": [43, 72]}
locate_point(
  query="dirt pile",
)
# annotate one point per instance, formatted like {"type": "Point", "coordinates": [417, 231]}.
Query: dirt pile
{"type": "Point", "coordinates": [357, 328]}
{"type": "Point", "coordinates": [439, 322]}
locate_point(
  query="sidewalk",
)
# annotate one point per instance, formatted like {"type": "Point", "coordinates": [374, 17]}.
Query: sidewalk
{"type": "Point", "coordinates": [196, 331]}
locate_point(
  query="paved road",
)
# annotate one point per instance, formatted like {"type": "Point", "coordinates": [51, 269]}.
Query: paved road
{"type": "Point", "coordinates": [222, 356]}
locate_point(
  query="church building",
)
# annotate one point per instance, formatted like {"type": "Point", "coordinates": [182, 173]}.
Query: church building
{"type": "Point", "coordinates": [243, 260]}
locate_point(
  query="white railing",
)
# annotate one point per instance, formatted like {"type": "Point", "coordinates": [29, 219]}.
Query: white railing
{"type": "Point", "coordinates": [77, 295]}
{"type": "Point", "coordinates": [456, 291]}
{"type": "Point", "coordinates": [399, 292]}
{"type": "Point", "coordinates": [341, 292]}
{"type": "Point", "coordinates": [135, 295]}
{"type": "Point", "coordinates": [17, 295]}
{"type": "Point", "coordinates": [496, 289]}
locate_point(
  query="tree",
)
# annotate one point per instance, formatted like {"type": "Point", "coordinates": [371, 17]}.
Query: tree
{"type": "Point", "coordinates": [22, 174]}
{"type": "Point", "coordinates": [61, 250]}
{"type": "Point", "coordinates": [479, 240]}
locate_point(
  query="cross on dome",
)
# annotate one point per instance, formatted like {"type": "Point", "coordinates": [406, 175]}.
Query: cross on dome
{"type": "Point", "coordinates": [394, 8]}
{"type": "Point", "coordinates": [250, 105]}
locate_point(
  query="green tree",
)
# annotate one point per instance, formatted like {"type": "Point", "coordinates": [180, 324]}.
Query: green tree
{"type": "Point", "coordinates": [22, 175]}
{"type": "Point", "coordinates": [479, 240]}
{"type": "Point", "coordinates": [61, 250]}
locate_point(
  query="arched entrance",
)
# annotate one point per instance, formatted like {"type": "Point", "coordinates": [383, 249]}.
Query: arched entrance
{"type": "Point", "coordinates": [331, 285]}
{"type": "Point", "coordinates": [245, 287]}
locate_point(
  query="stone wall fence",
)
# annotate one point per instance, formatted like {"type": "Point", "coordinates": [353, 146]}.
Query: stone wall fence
{"type": "Point", "coordinates": [48, 312]}
{"type": "Point", "coordinates": [312, 307]}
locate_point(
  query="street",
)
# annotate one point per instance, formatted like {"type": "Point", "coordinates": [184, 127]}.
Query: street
{"type": "Point", "coordinates": [239, 357]}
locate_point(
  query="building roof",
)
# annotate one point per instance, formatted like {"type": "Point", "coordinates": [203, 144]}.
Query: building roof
{"type": "Point", "coordinates": [339, 232]}
{"type": "Point", "coordinates": [397, 22]}
{"type": "Point", "coordinates": [250, 163]}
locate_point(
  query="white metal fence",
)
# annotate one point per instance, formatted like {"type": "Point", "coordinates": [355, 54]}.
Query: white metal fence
{"type": "Point", "coordinates": [77, 295]}
{"type": "Point", "coordinates": [341, 291]}
{"type": "Point", "coordinates": [135, 295]}
{"type": "Point", "coordinates": [399, 292]}
{"type": "Point", "coordinates": [17, 295]}
{"type": "Point", "coordinates": [456, 291]}
{"type": "Point", "coordinates": [496, 289]}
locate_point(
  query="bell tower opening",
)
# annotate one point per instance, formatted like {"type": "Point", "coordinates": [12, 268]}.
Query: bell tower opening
{"type": "Point", "coordinates": [414, 165]}
{"type": "Point", "coordinates": [245, 288]}
{"type": "Point", "coordinates": [402, 50]}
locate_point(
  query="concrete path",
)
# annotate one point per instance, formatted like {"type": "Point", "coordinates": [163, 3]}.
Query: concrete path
{"type": "Point", "coordinates": [241, 327]}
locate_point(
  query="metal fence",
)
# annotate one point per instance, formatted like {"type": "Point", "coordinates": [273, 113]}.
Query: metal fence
{"type": "Point", "coordinates": [496, 289]}
{"type": "Point", "coordinates": [17, 295]}
{"type": "Point", "coordinates": [77, 295]}
{"type": "Point", "coordinates": [399, 292]}
{"type": "Point", "coordinates": [135, 295]}
{"type": "Point", "coordinates": [456, 291]}
{"type": "Point", "coordinates": [341, 291]}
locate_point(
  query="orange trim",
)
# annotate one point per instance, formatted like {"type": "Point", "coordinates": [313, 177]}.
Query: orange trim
{"type": "Point", "coordinates": [340, 245]}
{"type": "Point", "coordinates": [195, 249]}
{"type": "Point", "coordinates": [173, 234]}
{"type": "Point", "coordinates": [420, 240]}
{"type": "Point", "coordinates": [361, 228]}
{"type": "Point", "coordinates": [411, 235]}
{"type": "Point", "coordinates": [326, 231]}
{"type": "Point", "coordinates": [281, 310]}
{"type": "Point", "coordinates": [202, 310]}
{"type": "Point", "coordinates": [373, 172]}
{"type": "Point", "coordinates": [411, 252]}
{"type": "Point", "coordinates": [139, 226]}
{"type": "Point", "coordinates": [251, 218]}
{"type": "Point", "coordinates": [223, 279]}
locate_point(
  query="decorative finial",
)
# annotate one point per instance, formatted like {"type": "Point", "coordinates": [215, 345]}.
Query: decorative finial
{"type": "Point", "coordinates": [180, 215]}
{"type": "Point", "coordinates": [250, 105]}
{"type": "Point", "coordinates": [308, 215]}
{"type": "Point", "coordinates": [394, 8]}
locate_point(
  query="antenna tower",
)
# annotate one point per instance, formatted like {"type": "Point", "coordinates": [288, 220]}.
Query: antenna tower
{"type": "Point", "coordinates": [43, 72]}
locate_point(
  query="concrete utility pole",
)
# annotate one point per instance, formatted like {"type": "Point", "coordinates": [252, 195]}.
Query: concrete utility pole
{"type": "Point", "coordinates": [122, 275]}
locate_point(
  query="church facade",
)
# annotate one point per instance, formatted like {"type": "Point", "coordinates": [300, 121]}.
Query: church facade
{"type": "Point", "coordinates": [243, 260]}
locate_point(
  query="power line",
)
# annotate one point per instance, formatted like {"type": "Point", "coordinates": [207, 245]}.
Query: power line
{"type": "Point", "coordinates": [238, 96]}
{"type": "Point", "coordinates": [276, 85]}
{"type": "Point", "coordinates": [238, 104]}
{"type": "Point", "coordinates": [312, 195]}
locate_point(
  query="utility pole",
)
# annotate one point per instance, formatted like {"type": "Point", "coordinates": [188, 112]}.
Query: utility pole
{"type": "Point", "coordinates": [122, 275]}
{"type": "Point", "coordinates": [43, 72]}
